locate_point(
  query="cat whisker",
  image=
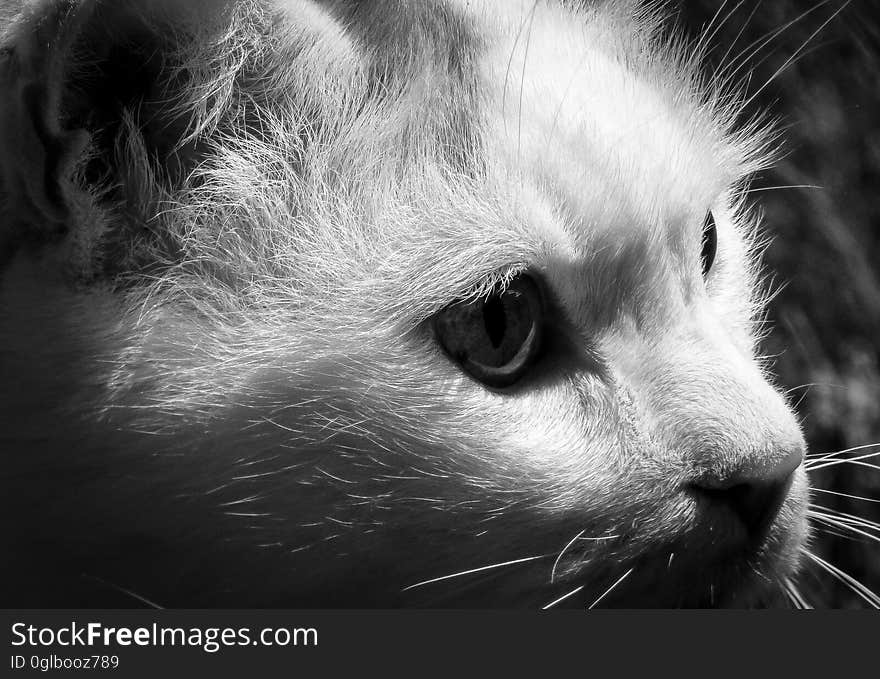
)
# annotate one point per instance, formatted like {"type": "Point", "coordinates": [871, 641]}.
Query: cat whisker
{"type": "Point", "coordinates": [824, 456]}
{"type": "Point", "coordinates": [471, 571]}
{"type": "Point", "coordinates": [834, 532]}
{"type": "Point", "coordinates": [579, 536]}
{"type": "Point", "coordinates": [742, 30]}
{"type": "Point", "coordinates": [510, 57]}
{"type": "Point", "coordinates": [857, 587]}
{"type": "Point", "coordinates": [750, 51]}
{"type": "Point", "coordinates": [797, 404]}
{"type": "Point", "coordinates": [562, 553]}
{"type": "Point", "coordinates": [556, 115]}
{"type": "Point", "coordinates": [832, 521]}
{"type": "Point", "coordinates": [788, 62]}
{"type": "Point", "coordinates": [123, 590]}
{"type": "Point", "coordinates": [847, 518]}
{"type": "Point", "coordinates": [790, 597]}
{"type": "Point", "coordinates": [712, 27]}
{"type": "Point", "coordinates": [809, 385]}
{"type": "Point", "coordinates": [780, 188]}
{"type": "Point", "coordinates": [794, 595]}
{"type": "Point", "coordinates": [813, 465]}
{"type": "Point", "coordinates": [611, 589]}
{"type": "Point", "coordinates": [846, 495]}
{"type": "Point", "coordinates": [562, 598]}
{"type": "Point", "coordinates": [531, 20]}
{"type": "Point", "coordinates": [855, 463]}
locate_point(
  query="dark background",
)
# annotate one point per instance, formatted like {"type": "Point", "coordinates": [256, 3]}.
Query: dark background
{"type": "Point", "coordinates": [826, 247]}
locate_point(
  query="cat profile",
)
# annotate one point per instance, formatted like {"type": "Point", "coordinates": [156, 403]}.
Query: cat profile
{"type": "Point", "coordinates": [383, 304]}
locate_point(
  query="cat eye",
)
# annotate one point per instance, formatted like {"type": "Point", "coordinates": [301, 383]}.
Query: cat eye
{"type": "Point", "coordinates": [710, 244]}
{"type": "Point", "coordinates": [497, 338]}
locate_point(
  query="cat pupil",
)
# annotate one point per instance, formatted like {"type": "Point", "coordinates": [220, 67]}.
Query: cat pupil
{"type": "Point", "coordinates": [495, 320]}
{"type": "Point", "coordinates": [710, 243]}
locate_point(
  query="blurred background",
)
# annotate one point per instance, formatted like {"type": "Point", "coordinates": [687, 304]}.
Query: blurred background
{"type": "Point", "coordinates": [826, 248]}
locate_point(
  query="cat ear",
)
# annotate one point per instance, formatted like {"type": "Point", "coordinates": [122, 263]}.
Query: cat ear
{"type": "Point", "coordinates": [71, 73]}
{"type": "Point", "coordinates": [37, 151]}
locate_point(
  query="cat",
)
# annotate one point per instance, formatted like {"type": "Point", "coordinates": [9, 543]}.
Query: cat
{"type": "Point", "coordinates": [383, 304]}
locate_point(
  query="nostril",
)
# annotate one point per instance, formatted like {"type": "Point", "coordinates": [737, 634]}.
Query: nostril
{"type": "Point", "coordinates": [755, 495]}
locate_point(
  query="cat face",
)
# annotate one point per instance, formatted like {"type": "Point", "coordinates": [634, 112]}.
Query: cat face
{"type": "Point", "coordinates": [445, 309]}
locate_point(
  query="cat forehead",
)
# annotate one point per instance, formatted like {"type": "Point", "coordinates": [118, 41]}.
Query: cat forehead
{"type": "Point", "coordinates": [592, 146]}
{"type": "Point", "coordinates": [582, 99]}
{"type": "Point", "coordinates": [608, 131]}
{"type": "Point", "coordinates": [577, 94]}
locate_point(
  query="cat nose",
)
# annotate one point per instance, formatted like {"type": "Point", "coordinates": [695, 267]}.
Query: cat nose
{"type": "Point", "coordinates": [754, 494]}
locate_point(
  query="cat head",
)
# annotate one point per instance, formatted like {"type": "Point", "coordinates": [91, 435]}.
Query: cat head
{"type": "Point", "coordinates": [380, 304]}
